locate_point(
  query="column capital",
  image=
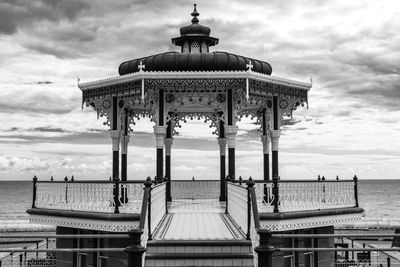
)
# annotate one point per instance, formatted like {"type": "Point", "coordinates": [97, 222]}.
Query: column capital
{"type": "Point", "coordinates": [275, 135]}
{"type": "Point", "coordinates": [265, 141]}
{"type": "Point", "coordinates": [230, 132]}
{"type": "Point", "coordinates": [160, 132]}
{"type": "Point", "coordinates": [222, 146]}
{"type": "Point", "coordinates": [115, 137]}
{"type": "Point", "coordinates": [168, 144]}
{"type": "Point", "coordinates": [124, 144]}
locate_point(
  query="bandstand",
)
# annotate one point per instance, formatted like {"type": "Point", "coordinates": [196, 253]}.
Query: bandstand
{"type": "Point", "coordinates": [232, 223]}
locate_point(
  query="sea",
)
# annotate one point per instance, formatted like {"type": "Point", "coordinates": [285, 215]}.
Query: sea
{"type": "Point", "coordinates": [379, 198]}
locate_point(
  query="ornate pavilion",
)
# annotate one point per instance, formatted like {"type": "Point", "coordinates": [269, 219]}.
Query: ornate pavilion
{"type": "Point", "coordinates": [219, 88]}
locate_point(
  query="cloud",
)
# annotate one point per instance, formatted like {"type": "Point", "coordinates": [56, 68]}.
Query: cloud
{"type": "Point", "coordinates": [20, 13]}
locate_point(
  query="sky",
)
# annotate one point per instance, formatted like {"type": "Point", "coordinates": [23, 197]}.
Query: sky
{"type": "Point", "coordinates": [349, 48]}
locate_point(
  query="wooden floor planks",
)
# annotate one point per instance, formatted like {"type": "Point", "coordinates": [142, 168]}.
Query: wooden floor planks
{"type": "Point", "coordinates": [197, 219]}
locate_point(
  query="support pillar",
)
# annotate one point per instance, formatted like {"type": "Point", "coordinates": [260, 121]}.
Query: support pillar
{"type": "Point", "coordinates": [115, 138]}
{"type": "Point", "coordinates": [168, 144]}
{"type": "Point", "coordinates": [124, 157]}
{"type": "Point", "coordinates": [115, 134]}
{"type": "Point", "coordinates": [275, 134]}
{"type": "Point", "coordinates": [160, 132]}
{"type": "Point", "coordinates": [231, 132]}
{"type": "Point", "coordinates": [222, 174]}
{"type": "Point", "coordinates": [266, 143]}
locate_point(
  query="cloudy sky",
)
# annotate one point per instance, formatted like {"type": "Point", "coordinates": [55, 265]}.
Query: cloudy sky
{"type": "Point", "coordinates": [351, 49]}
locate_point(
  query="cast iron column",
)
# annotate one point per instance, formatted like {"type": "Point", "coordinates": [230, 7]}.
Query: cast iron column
{"type": "Point", "coordinates": [168, 144]}
{"type": "Point", "coordinates": [231, 132]}
{"type": "Point", "coordinates": [115, 137]}
{"type": "Point", "coordinates": [266, 141]}
{"type": "Point", "coordinates": [275, 134]}
{"type": "Point", "coordinates": [124, 150]}
{"type": "Point", "coordinates": [160, 131]}
{"type": "Point", "coordinates": [222, 150]}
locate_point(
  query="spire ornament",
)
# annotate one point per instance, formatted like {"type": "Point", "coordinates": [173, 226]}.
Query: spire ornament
{"type": "Point", "coordinates": [195, 14]}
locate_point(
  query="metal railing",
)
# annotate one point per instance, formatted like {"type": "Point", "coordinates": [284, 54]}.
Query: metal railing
{"type": "Point", "coordinates": [94, 196]}
{"type": "Point", "coordinates": [300, 195]}
{"type": "Point", "coordinates": [33, 257]}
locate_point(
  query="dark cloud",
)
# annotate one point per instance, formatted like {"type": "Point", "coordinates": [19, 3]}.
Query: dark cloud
{"type": "Point", "coordinates": [18, 13]}
{"type": "Point", "coordinates": [44, 82]}
{"type": "Point", "coordinates": [48, 129]}
{"type": "Point", "coordinates": [53, 50]}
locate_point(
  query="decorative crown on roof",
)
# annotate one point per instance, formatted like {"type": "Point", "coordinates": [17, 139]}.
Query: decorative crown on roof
{"type": "Point", "coordinates": [195, 38]}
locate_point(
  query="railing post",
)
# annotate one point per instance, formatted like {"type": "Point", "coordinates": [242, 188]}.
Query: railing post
{"type": "Point", "coordinates": [148, 184]}
{"type": "Point", "coordinates": [66, 189]}
{"type": "Point", "coordinates": [388, 261]}
{"type": "Point", "coordinates": [34, 192]}
{"type": "Point", "coordinates": [265, 249]}
{"type": "Point", "coordinates": [356, 189]}
{"type": "Point", "coordinates": [250, 184]}
{"type": "Point", "coordinates": [276, 193]}
{"type": "Point", "coordinates": [116, 194]}
{"type": "Point", "coordinates": [135, 249]}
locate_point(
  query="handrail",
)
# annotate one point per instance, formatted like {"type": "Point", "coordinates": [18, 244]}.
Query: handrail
{"type": "Point", "coordinates": [92, 181]}
{"type": "Point", "coordinates": [293, 181]}
{"type": "Point", "coordinates": [146, 196]}
{"type": "Point", "coordinates": [253, 199]}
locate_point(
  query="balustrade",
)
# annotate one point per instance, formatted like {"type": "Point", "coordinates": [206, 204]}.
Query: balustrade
{"type": "Point", "coordinates": [92, 196]}
{"type": "Point", "coordinates": [158, 206]}
{"type": "Point", "coordinates": [237, 205]}
{"type": "Point", "coordinates": [295, 195]}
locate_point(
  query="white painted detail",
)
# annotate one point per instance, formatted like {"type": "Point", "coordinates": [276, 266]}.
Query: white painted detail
{"type": "Point", "coordinates": [230, 132]}
{"type": "Point", "coordinates": [124, 144]}
{"type": "Point", "coordinates": [222, 146]}
{"type": "Point", "coordinates": [115, 138]}
{"type": "Point", "coordinates": [160, 132]}
{"type": "Point", "coordinates": [309, 222]}
{"type": "Point", "coordinates": [89, 224]}
{"type": "Point", "coordinates": [266, 142]}
{"type": "Point", "coordinates": [275, 135]}
{"type": "Point", "coordinates": [168, 144]}
{"type": "Point", "coordinates": [194, 75]}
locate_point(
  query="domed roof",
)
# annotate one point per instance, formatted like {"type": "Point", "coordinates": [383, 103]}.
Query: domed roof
{"type": "Point", "coordinates": [215, 61]}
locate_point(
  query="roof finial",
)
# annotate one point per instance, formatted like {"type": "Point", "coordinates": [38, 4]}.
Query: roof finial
{"type": "Point", "coordinates": [195, 14]}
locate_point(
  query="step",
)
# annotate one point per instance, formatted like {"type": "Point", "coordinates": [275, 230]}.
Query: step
{"type": "Point", "coordinates": [199, 253]}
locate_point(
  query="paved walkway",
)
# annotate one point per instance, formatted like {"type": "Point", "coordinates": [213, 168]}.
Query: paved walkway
{"type": "Point", "coordinates": [197, 219]}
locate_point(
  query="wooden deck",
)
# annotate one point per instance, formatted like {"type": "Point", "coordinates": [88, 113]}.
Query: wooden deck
{"type": "Point", "coordinates": [197, 219]}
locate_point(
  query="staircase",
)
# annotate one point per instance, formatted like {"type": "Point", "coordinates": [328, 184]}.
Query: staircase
{"type": "Point", "coordinates": [235, 252]}
{"type": "Point", "coordinates": [198, 233]}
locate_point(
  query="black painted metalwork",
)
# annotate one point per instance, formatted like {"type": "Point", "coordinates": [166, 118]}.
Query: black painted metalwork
{"type": "Point", "coordinates": [231, 162]}
{"type": "Point", "coordinates": [34, 191]}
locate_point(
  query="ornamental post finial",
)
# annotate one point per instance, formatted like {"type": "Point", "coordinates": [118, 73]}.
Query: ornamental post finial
{"type": "Point", "coordinates": [195, 14]}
